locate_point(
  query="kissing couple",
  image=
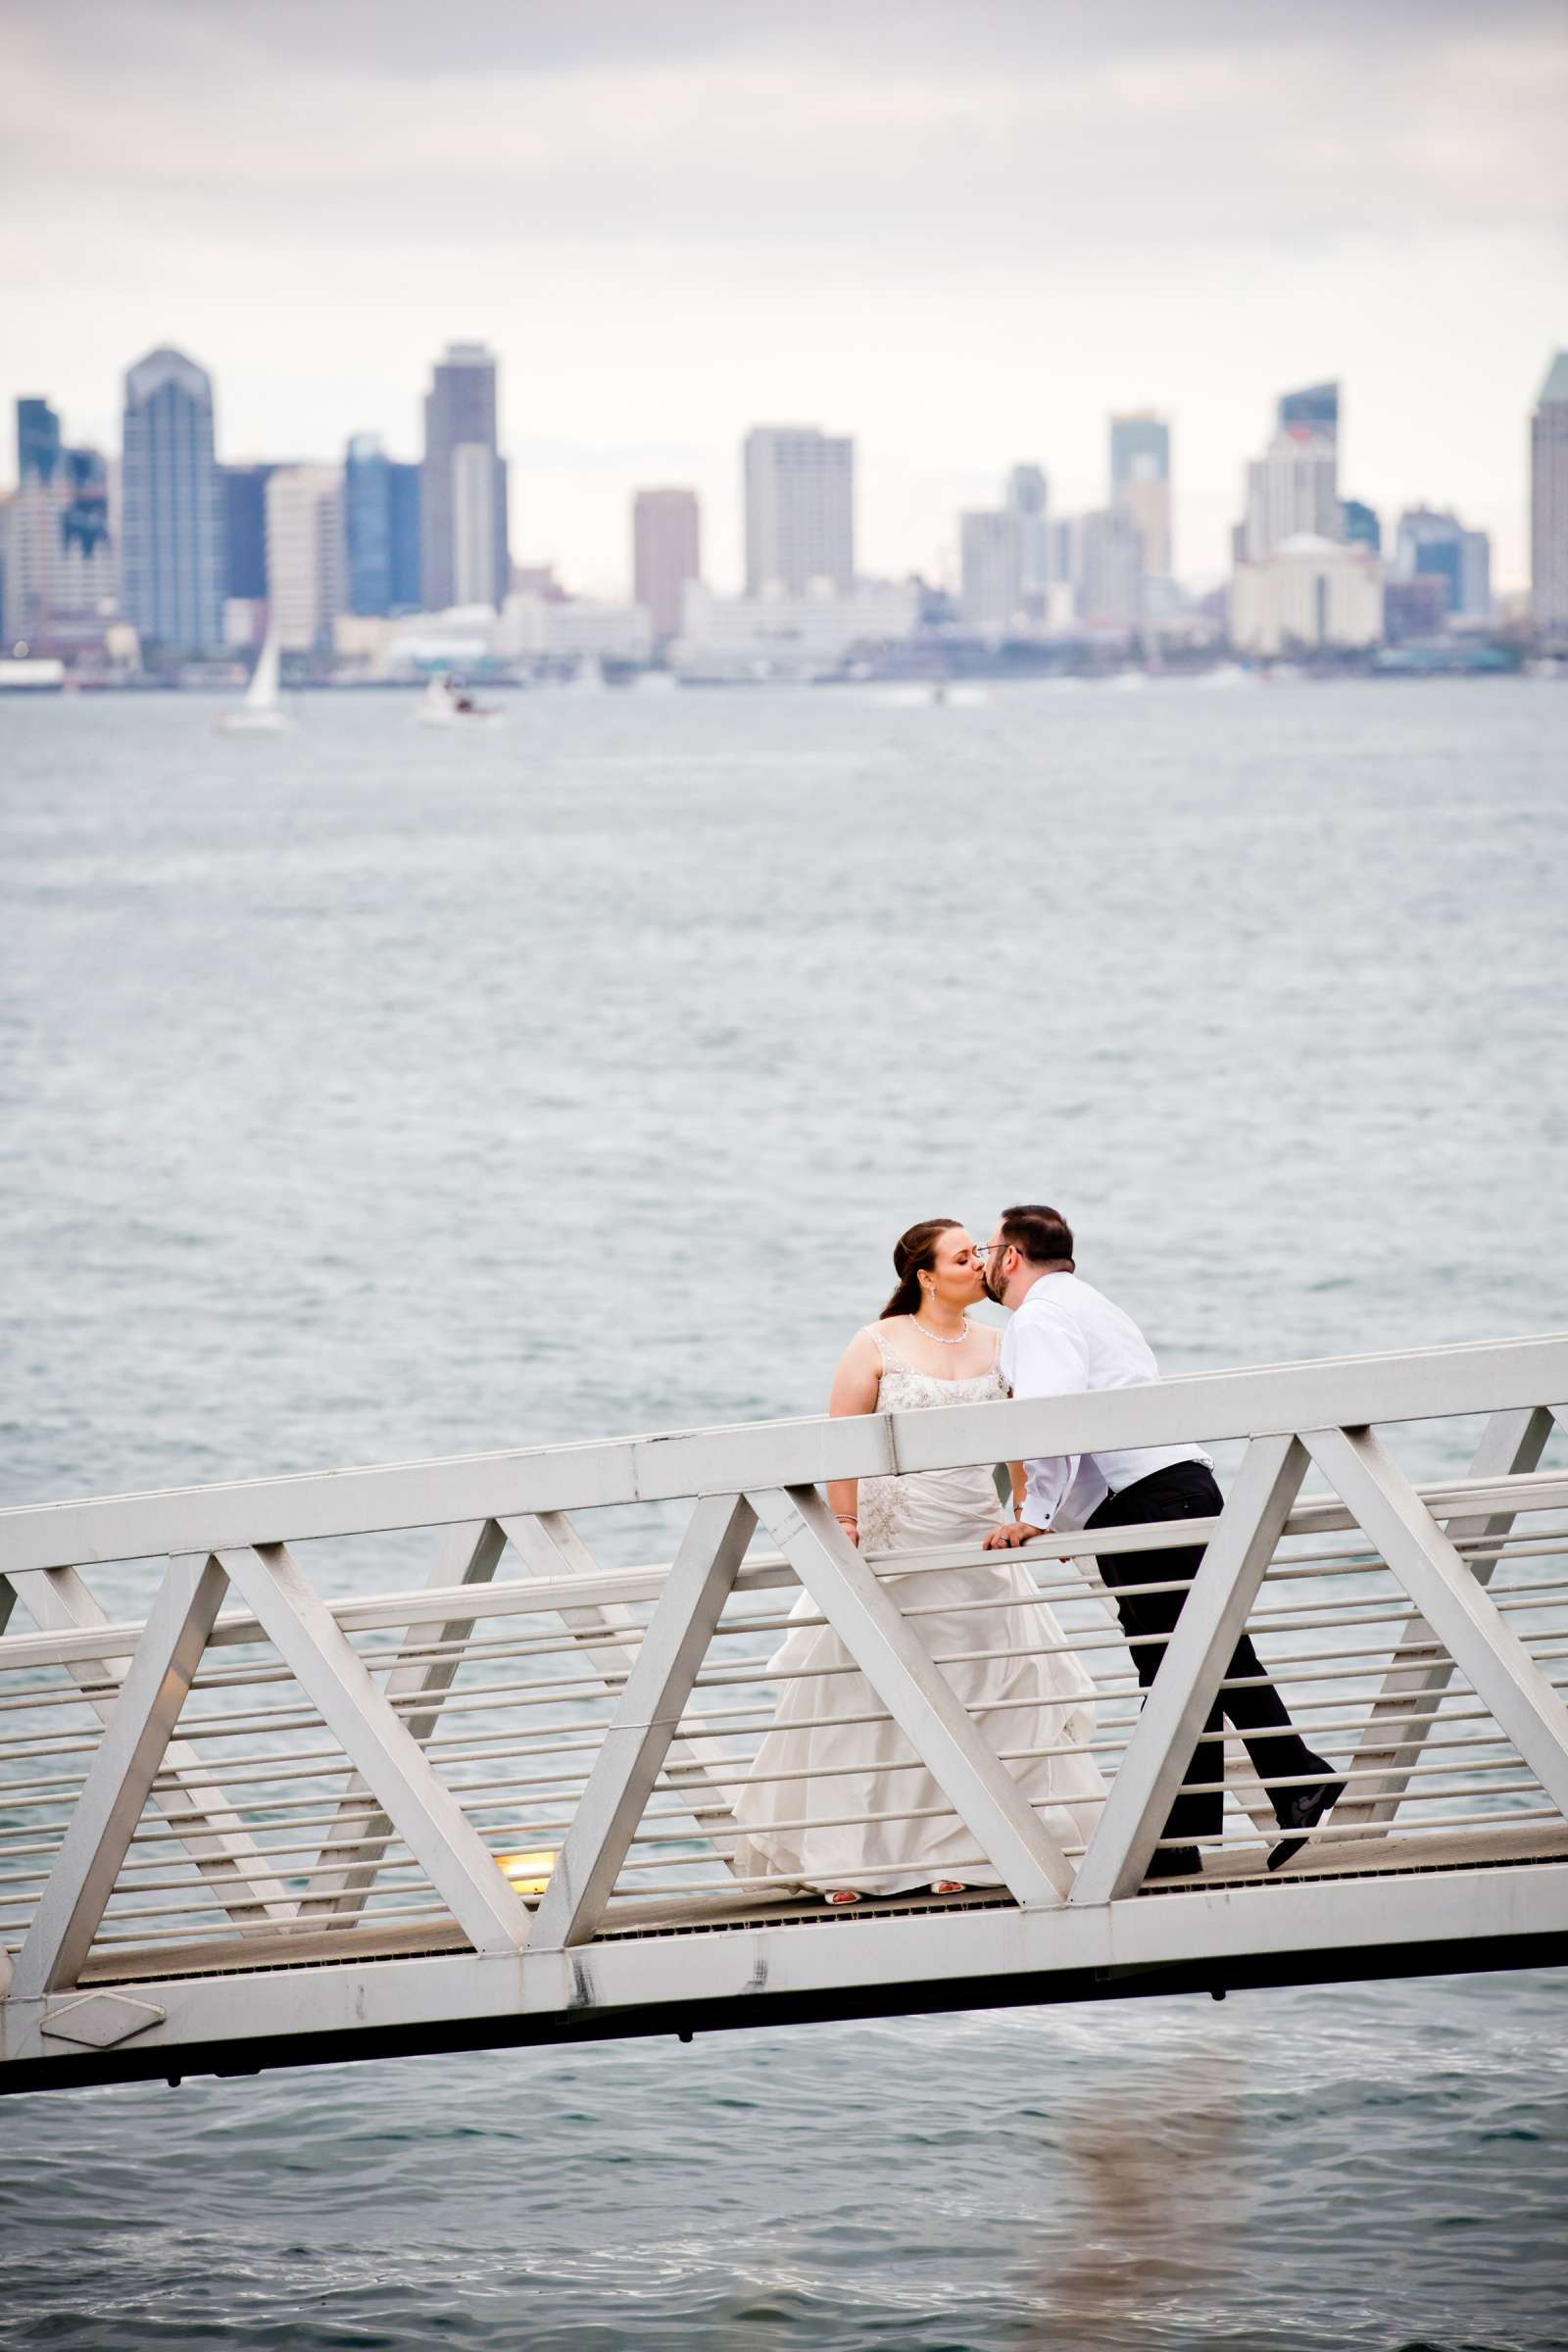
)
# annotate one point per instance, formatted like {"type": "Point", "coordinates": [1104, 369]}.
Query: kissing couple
{"type": "Point", "coordinates": [832, 1801]}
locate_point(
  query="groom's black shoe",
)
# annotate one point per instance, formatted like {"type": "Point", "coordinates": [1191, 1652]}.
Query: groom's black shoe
{"type": "Point", "coordinates": [1174, 1862]}
{"type": "Point", "coordinates": [1302, 1810]}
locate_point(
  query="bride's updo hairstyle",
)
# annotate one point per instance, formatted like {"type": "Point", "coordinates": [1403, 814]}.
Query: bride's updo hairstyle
{"type": "Point", "coordinates": [914, 1254]}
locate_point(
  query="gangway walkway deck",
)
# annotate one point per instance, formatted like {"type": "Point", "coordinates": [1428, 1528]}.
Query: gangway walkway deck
{"type": "Point", "coordinates": [281, 1811]}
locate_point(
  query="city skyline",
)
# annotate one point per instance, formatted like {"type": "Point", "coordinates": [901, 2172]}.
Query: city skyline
{"type": "Point", "coordinates": [964, 253]}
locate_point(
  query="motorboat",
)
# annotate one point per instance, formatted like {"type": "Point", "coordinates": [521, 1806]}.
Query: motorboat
{"type": "Point", "coordinates": [446, 703]}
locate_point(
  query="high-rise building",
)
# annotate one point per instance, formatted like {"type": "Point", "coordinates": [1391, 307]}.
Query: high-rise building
{"type": "Point", "coordinates": [1360, 526]}
{"type": "Point", "coordinates": [1028, 502]}
{"type": "Point", "coordinates": [172, 556]}
{"type": "Point", "coordinates": [368, 526]}
{"type": "Point", "coordinates": [465, 557]}
{"type": "Point", "coordinates": [800, 509]}
{"type": "Point", "coordinates": [1139, 483]}
{"type": "Point", "coordinates": [1110, 569]}
{"type": "Point", "coordinates": [666, 553]}
{"type": "Point", "coordinates": [382, 531]}
{"type": "Point", "coordinates": [1437, 546]}
{"type": "Point", "coordinates": [405, 487]}
{"type": "Point", "coordinates": [37, 441]}
{"type": "Point", "coordinates": [305, 565]}
{"type": "Point", "coordinates": [1549, 502]}
{"type": "Point", "coordinates": [1315, 409]}
{"type": "Point", "coordinates": [988, 556]}
{"type": "Point", "coordinates": [243, 492]}
{"type": "Point", "coordinates": [59, 558]}
{"type": "Point", "coordinates": [1294, 487]}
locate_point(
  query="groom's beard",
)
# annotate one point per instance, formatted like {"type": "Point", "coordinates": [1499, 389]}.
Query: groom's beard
{"type": "Point", "coordinates": [992, 1291]}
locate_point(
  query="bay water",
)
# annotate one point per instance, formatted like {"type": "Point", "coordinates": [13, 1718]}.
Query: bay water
{"type": "Point", "coordinates": [373, 1092]}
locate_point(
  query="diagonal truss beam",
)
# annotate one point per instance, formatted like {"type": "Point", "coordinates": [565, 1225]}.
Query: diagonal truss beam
{"type": "Point", "coordinates": [417, 1805]}
{"type": "Point", "coordinates": [211, 1833]}
{"type": "Point", "coordinates": [1213, 1617]}
{"type": "Point", "coordinates": [1512, 1445]}
{"type": "Point", "coordinates": [916, 1694]}
{"type": "Point", "coordinates": [121, 1777]}
{"type": "Point", "coordinates": [1483, 1646]}
{"type": "Point", "coordinates": [627, 1765]}
{"type": "Point", "coordinates": [546, 1542]}
{"type": "Point", "coordinates": [468, 1555]}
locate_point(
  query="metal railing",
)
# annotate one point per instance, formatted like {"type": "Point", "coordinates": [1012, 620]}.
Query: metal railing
{"type": "Point", "coordinates": [535, 1759]}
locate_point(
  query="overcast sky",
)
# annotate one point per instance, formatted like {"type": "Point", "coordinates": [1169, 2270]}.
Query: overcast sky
{"type": "Point", "coordinates": [962, 230]}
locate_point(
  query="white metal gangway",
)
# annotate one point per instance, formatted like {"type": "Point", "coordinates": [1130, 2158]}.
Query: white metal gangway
{"type": "Point", "coordinates": [280, 1813]}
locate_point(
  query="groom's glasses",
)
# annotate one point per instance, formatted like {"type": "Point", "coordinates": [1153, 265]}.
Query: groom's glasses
{"type": "Point", "coordinates": [985, 1249]}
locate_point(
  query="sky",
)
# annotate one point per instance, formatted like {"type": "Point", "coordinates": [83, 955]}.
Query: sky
{"type": "Point", "coordinates": [962, 231]}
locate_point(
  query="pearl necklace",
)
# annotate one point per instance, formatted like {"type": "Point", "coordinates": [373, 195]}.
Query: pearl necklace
{"type": "Point", "coordinates": [937, 1335]}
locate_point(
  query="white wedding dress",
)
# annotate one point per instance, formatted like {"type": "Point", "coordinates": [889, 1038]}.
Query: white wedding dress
{"type": "Point", "coordinates": [1016, 1702]}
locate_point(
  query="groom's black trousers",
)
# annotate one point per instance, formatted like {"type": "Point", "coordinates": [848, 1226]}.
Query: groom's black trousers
{"type": "Point", "coordinates": [1188, 1491]}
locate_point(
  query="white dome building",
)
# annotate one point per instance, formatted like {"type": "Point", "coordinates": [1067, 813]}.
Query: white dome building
{"type": "Point", "coordinates": [1308, 592]}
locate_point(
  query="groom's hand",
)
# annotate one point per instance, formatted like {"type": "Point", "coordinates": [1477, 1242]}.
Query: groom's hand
{"type": "Point", "coordinates": [1007, 1539]}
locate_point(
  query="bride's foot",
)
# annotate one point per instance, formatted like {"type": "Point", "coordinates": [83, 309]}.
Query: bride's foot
{"type": "Point", "coordinates": [947, 1887]}
{"type": "Point", "coordinates": [844, 1895]}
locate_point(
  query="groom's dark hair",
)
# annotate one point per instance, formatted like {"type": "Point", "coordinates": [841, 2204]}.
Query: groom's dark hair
{"type": "Point", "coordinates": [1040, 1235]}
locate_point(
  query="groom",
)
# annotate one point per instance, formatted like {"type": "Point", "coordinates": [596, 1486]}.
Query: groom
{"type": "Point", "coordinates": [1066, 1338]}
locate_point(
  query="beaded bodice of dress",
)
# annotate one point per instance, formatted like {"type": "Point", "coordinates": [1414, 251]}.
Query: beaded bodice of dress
{"type": "Point", "coordinates": [905, 1390]}
{"type": "Point", "coordinates": [930, 1506]}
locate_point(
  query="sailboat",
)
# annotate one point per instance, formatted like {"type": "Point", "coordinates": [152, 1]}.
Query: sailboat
{"type": "Point", "coordinates": [262, 712]}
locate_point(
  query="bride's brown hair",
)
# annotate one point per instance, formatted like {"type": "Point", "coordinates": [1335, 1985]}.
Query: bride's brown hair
{"type": "Point", "coordinates": [914, 1254]}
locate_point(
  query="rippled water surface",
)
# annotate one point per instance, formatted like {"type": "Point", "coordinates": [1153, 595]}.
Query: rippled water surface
{"type": "Point", "coordinates": [367, 1094]}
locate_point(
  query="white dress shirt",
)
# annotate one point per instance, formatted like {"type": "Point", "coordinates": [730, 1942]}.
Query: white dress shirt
{"type": "Point", "coordinates": [1066, 1338]}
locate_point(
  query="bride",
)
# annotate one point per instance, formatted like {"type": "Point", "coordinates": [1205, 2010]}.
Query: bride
{"type": "Point", "coordinates": [923, 1353]}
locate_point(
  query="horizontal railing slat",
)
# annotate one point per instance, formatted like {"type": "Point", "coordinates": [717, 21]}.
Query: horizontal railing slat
{"type": "Point", "coordinates": [412, 1605]}
{"type": "Point", "coordinates": [1203, 1408]}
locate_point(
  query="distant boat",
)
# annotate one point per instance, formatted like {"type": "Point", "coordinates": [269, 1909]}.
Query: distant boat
{"type": "Point", "coordinates": [262, 712]}
{"type": "Point", "coordinates": [446, 703]}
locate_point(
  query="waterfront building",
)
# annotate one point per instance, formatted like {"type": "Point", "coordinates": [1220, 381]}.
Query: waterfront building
{"type": "Point", "coordinates": [666, 553]}
{"type": "Point", "coordinates": [1139, 483]}
{"type": "Point", "coordinates": [791, 636]}
{"type": "Point", "coordinates": [1549, 502]}
{"type": "Point", "coordinates": [574, 628]}
{"type": "Point", "coordinates": [1309, 594]}
{"type": "Point", "coordinates": [1438, 545]}
{"type": "Point", "coordinates": [1359, 523]}
{"type": "Point", "coordinates": [243, 493]}
{"type": "Point", "coordinates": [1416, 609]}
{"type": "Point", "coordinates": [1028, 503]}
{"type": "Point", "coordinates": [305, 561]}
{"type": "Point", "coordinates": [990, 589]}
{"type": "Point", "coordinates": [1110, 569]}
{"type": "Point", "coordinates": [172, 550]}
{"type": "Point", "coordinates": [800, 509]}
{"type": "Point", "coordinates": [465, 552]}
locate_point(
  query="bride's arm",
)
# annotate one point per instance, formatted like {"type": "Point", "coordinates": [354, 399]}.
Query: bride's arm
{"type": "Point", "coordinates": [1021, 1487]}
{"type": "Point", "coordinates": [856, 1387]}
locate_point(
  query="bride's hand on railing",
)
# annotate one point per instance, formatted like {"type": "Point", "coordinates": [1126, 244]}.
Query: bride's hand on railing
{"type": "Point", "coordinates": [1007, 1539]}
{"type": "Point", "coordinates": [848, 1525]}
